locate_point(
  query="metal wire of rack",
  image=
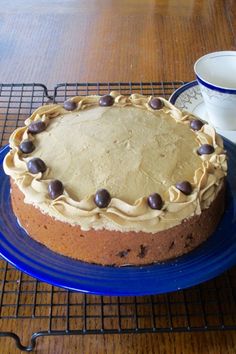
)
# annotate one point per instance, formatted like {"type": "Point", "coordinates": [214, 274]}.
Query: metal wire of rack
{"type": "Point", "coordinates": [48, 310]}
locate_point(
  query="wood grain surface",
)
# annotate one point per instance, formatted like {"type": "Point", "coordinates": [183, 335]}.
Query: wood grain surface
{"type": "Point", "coordinates": [109, 40]}
{"type": "Point", "coordinates": [174, 343]}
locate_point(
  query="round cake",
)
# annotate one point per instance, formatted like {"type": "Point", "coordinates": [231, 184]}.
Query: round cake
{"type": "Point", "coordinates": [117, 180]}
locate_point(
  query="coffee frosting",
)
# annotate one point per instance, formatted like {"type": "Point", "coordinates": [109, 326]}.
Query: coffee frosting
{"type": "Point", "coordinates": [129, 149]}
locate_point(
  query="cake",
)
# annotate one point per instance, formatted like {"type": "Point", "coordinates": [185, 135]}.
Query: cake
{"type": "Point", "coordinates": [117, 180]}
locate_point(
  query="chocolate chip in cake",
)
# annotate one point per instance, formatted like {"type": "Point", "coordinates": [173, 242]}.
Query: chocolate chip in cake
{"type": "Point", "coordinates": [171, 246]}
{"type": "Point", "coordinates": [26, 146]}
{"type": "Point", "coordinates": [55, 189]}
{"type": "Point", "coordinates": [106, 100]}
{"type": "Point", "coordinates": [143, 251]}
{"type": "Point", "coordinates": [196, 124]}
{"type": "Point", "coordinates": [36, 127]}
{"type": "Point", "coordinates": [36, 165]}
{"type": "Point", "coordinates": [185, 187]}
{"type": "Point", "coordinates": [155, 201]}
{"type": "Point", "coordinates": [123, 254]}
{"type": "Point", "coordinates": [69, 105]}
{"type": "Point", "coordinates": [188, 240]}
{"type": "Point", "coordinates": [156, 103]}
{"type": "Point", "coordinates": [205, 149]}
{"type": "Point", "coordinates": [102, 198]}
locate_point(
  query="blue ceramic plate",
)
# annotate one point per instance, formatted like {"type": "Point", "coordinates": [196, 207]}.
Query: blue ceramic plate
{"type": "Point", "coordinates": [210, 259]}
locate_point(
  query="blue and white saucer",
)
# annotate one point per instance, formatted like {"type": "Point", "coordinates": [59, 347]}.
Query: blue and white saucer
{"type": "Point", "coordinates": [189, 98]}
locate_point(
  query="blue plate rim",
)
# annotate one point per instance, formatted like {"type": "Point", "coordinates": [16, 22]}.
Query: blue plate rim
{"type": "Point", "coordinates": [118, 274]}
{"type": "Point", "coordinates": [173, 98]}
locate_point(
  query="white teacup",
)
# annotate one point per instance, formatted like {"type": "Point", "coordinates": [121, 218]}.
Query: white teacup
{"type": "Point", "coordinates": [216, 76]}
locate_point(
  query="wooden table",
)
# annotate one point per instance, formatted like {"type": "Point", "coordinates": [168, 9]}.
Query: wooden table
{"type": "Point", "coordinates": [125, 40]}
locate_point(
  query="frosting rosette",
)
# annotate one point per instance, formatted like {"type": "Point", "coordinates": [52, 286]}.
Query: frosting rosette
{"type": "Point", "coordinates": [126, 147]}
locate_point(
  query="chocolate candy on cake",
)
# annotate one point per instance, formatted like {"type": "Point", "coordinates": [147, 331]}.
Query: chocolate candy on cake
{"type": "Point", "coordinates": [106, 100]}
{"type": "Point", "coordinates": [185, 187]}
{"type": "Point", "coordinates": [156, 103]}
{"type": "Point", "coordinates": [37, 127]}
{"type": "Point", "coordinates": [102, 198]}
{"type": "Point", "coordinates": [196, 124]}
{"type": "Point", "coordinates": [36, 165]}
{"type": "Point", "coordinates": [26, 146]}
{"type": "Point", "coordinates": [69, 105]}
{"type": "Point", "coordinates": [205, 149]}
{"type": "Point", "coordinates": [155, 201]}
{"type": "Point", "coordinates": [55, 189]}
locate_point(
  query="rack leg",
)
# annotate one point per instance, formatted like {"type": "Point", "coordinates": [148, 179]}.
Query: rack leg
{"type": "Point", "coordinates": [28, 348]}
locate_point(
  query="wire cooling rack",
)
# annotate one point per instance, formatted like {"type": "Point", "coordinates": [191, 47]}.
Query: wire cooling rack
{"type": "Point", "coordinates": [48, 310]}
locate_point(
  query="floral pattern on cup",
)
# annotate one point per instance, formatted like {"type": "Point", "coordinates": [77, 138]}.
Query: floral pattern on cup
{"type": "Point", "coordinates": [216, 95]}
